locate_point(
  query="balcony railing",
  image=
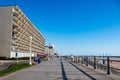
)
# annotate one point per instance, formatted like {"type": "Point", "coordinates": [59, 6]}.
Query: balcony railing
{"type": "Point", "coordinates": [15, 19]}
{"type": "Point", "coordinates": [15, 14]}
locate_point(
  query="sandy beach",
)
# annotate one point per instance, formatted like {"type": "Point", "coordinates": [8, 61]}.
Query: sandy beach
{"type": "Point", "coordinates": [115, 64]}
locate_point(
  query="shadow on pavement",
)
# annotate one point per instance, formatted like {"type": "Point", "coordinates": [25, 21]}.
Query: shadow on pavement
{"type": "Point", "coordinates": [92, 78]}
{"type": "Point", "coordinates": [63, 71]}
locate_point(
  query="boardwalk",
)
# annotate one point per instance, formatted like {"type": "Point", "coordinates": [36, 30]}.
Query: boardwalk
{"type": "Point", "coordinates": [59, 70]}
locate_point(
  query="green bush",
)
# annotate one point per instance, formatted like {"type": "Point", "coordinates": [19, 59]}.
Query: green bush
{"type": "Point", "coordinates": [20, 58]}
{"type": "Point", "coordinates": [23, 58]}
{"type": "Point", "coordinates": [2, 58]}
{"type": "Point", "coordinates": [11, 59]}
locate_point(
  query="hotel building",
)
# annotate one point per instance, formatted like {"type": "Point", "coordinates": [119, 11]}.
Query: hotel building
{"type": "Point", "coordinates": [15, 32]}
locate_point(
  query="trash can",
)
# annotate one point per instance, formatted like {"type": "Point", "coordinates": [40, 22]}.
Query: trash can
{"type": "Point", "coordinates": [39, 61]}
{"type": "Point", "coordinates": [103, 61]}
{"type": "Point", "coordinates": [35, 59]}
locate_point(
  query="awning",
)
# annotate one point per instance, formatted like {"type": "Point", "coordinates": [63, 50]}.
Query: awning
{"type": "Point", "coordinates": [41, 54]}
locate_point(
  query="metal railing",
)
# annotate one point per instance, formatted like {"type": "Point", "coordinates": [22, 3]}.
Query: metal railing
{"type": "Point", "coordinates": [102, 63]}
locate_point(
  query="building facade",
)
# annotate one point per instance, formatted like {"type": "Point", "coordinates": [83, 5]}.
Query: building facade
{"type": "Point", "coordinates": [15, 32]}
{"type": "Point", "coordinates": [50, 51]}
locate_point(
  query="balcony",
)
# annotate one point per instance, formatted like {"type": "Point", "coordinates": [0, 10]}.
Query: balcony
{"type": "Point", "coordinates": [15, 14]}
{"type": "Point", "coordinates": [24, 21]}
{"type": "Point", "coordinates": [15, 26]}
{"type": "Point", "coordinates": [13, 48]}
{"type": "Point", "coordinates": [14, 38]}
{"type": "Point", "coordinates": [16, 8]}
{"type": "Point", "coordinates": [14, 44]}
{"type": "Point", "coordinates": [17, 35]}
{"type": "Point", "coordinates": [19, 17]}
{"type": "Point", "coordinates": [14, 31]}
{"type": "Point", "coordinates": [15, 19]}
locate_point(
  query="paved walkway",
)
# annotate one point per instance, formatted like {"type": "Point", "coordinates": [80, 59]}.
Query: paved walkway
{"type": "Point", "coordinates": [59, 70]}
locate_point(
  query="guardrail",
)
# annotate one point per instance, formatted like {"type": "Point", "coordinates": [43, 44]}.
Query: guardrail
{"type": "Point", "coordinates": [102, 63]}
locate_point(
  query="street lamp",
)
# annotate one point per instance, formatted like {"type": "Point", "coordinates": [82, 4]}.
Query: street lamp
{"type": "Point", "coordinates": [30, 62]}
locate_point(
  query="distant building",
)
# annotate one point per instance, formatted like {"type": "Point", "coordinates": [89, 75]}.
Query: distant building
{"type": "Point", "coordinates": [15, 32]}
{"type": "Point", "coordinates": [46, 49]}
{"type": "Point", "coordinates": [50, 50]}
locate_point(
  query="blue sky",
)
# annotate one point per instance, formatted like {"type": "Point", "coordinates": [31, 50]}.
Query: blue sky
{"type": "Point", "coordinates": [78, 27]}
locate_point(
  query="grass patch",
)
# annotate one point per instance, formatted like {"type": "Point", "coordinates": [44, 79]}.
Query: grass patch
{"type": "Point", "coordinates": [14, 68]}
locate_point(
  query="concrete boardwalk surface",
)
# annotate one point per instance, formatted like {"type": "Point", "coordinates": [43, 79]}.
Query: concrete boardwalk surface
{"type": "Point", "coordinates": [59, 70]}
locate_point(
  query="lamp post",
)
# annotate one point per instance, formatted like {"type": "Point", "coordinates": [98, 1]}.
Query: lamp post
{"type": "Point", "coordinates": [30, 62]}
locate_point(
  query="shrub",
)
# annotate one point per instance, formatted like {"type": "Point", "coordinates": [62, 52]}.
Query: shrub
{"type": "Point", "coordinates": [2, 58]}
